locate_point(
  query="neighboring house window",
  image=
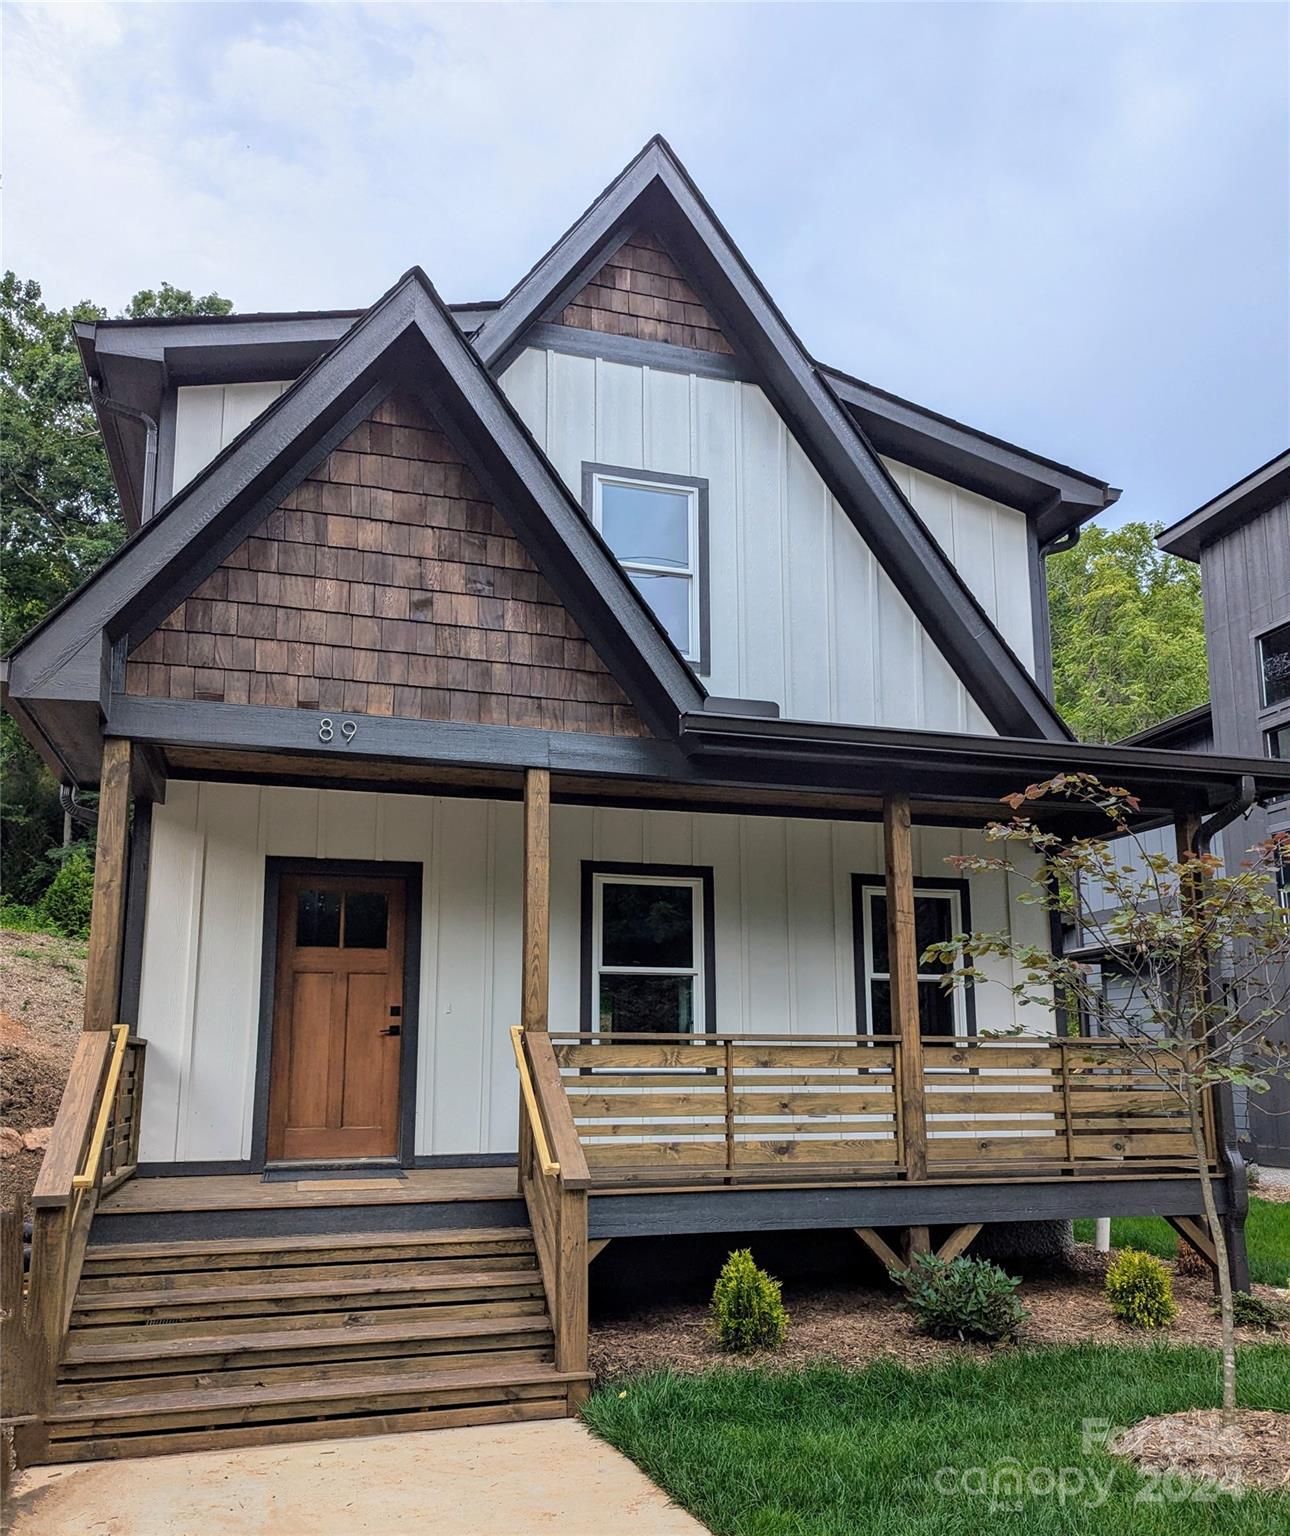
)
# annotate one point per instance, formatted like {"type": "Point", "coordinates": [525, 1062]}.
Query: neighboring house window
{"type": "Point", "coordinates": [656, 526]}
{"type": "Point", "coordinates": [1274, 666]}
{"type": "Point", "coordinates": [1277, 741]}
{"type": "Point", "coordinates": [940, 911]}
{"type": "Point", "coordinates": [1283, 881]}
{"type": "Point", "coordinates": [647, 948]}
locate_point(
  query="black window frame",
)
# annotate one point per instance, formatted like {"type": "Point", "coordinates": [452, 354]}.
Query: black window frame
{"type": "Point", "coordinates": [860, 883]}
{"type": "Point", "coordinates": [705, 1012]}
{"type": "Point", "coordinates": [1274, 708]}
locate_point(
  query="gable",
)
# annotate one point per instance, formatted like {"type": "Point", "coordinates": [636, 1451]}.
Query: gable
{"type": "Point", "coordinates": [386, 583]}
{"type": "Point", "coordinates": [640, 292]}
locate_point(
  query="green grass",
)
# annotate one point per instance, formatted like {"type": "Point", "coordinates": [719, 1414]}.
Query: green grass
{"type": "Point", "coordinates": [1267, 1238]}
{"type": "Point", "coordinates": [827, 1451]}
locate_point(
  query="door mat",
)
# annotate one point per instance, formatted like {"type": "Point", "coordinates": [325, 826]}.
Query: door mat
{"type": "Point", "coordinates": [317, 1175]}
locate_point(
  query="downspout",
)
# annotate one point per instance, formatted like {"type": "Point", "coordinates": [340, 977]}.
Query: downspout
{"type": "Point", "coordinates": [104, 402]}
{"type": "Point", "coordinates": [1239, 805]}
{"type": "Point", "coordinates": [71, 807]}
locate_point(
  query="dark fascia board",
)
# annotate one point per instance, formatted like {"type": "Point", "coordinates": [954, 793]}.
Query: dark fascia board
{"type": "Point", "coordinates": [409, 338]}
{"type": "Point", "coordinates": [1268, 484]}
{"type": "Point", "coordinates": [656, 190]}
{"type": "Point", "coordinates": [1058, 499]}
{"type": "Point", "coordinates": [1179, 731]}
{"type": "Point", "coordinates": [1164, 780]}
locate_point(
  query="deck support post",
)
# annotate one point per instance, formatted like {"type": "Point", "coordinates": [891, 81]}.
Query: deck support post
{"type": "Point", "coordinates": [537, 898]}
{"type": "Point", "coordinates": [107, 919]}
{"type": "Point", "coordinates": [902, 959]}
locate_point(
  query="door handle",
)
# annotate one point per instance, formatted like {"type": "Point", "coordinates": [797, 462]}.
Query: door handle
{"type": "Point", "coordinates": [393, 1029]}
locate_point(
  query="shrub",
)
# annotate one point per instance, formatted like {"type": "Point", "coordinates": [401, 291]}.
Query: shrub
{"type": "Point", "coordinates": [1140, 1289]}
{"type": "Point", "coordinates": [1254, 1312]}
{"type": "Point", "coordinates": [18, 918]}
{"type": "Point", "coordinates": [1189, 1262]}
{"type": "Point", "coordinates": [747, 1308]}
{"type": "Point", "coordinates": [962, 1298]}
{"type": "Point", "coordinates": [66, 904]}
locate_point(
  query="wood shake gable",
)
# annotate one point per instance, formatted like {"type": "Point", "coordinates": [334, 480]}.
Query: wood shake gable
{"type": "Point", "coordinates": [641, 292]}
{"type": "Point", "coordinates": [386, 583]}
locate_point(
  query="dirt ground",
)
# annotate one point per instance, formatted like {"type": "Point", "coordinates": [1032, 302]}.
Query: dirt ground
{"type": "Point", "coordinates": [42, 983]}
{"type": "Point", "coordinates": [858, 1324]}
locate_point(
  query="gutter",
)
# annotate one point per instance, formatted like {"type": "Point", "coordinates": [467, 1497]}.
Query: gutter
{"type": "Point", "coordinates": [103, 402]}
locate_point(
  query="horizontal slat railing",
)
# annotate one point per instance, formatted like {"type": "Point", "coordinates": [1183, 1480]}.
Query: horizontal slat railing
{"type": "Point", "coordinates": [742, 1107]}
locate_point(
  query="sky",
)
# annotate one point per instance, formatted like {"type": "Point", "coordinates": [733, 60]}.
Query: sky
{"type": "Point", "coordinates": [1065, 224]}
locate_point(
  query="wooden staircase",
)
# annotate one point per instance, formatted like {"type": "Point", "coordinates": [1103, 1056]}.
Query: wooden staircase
{"type": "Point", "coordinates": [226, 1341]}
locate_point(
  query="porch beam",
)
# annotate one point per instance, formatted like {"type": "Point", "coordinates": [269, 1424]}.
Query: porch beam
{"type": "Point", "coordinates": [881, 1249]}
{"type": "Point", "coordinates": [959, 1240]}
{"type": "Point", "coordinates": [902, 960]}
{"type": "Point", "coordinates": [537, 899]}
{"type": "Point", "coordinates": [107, 919]}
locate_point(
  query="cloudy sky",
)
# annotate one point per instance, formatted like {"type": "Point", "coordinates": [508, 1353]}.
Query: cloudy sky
{"type": "Point", "coordinates": [1066, 224]}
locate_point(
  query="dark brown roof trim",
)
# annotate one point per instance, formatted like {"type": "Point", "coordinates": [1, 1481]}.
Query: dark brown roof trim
{"type": "Point", "coordinates": [1257, 492]}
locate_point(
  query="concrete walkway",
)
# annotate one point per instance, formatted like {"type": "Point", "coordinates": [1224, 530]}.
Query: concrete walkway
{"type": "Point", "coordinates": [551, 1477]}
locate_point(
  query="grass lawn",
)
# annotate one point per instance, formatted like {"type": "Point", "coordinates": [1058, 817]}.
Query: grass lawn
{"type": "Point", "coordinates": [1267, 1238]}
{"type": "Point", "coordinates": [827, 1451]}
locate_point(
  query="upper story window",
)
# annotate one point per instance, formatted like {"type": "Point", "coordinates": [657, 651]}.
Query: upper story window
{"type": "Point", "coordinates": [657, 527]}
{"type": "Point", "coordinates": [1274, 666]}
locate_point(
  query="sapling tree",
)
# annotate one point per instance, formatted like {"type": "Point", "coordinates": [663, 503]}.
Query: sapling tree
{"type": "Point", "coordinates": [1204, 951]}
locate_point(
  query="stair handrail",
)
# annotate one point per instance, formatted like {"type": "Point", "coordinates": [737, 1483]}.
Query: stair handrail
{"type": "Point", "coordinates": [88, 1176]}
{"type": "Point", "coordinates": [549, 1165]}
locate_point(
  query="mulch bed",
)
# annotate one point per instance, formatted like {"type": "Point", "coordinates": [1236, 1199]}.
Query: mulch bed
{"type": "Point", "coordinates": [1253, 1452]}
{"type": "Point", "coordinates": [858, 1324]}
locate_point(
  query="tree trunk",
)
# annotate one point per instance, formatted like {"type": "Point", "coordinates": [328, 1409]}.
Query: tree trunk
{"type": "Point", "coordinates": [1220, 1253]}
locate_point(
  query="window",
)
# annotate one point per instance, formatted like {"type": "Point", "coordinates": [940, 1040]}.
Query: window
{"type": "Point", "coordinates": [1274, 665]}
{"type": "Point", "coordinates": [649, 971]}
{"type": "Point", "coordinates": [656, 526]}
{"type": "Point", "coordinates": [330, 919]}
{"type": "Point", "coordinates": [1278, 741]}
{"type": "Point", "coordinates": [939, 913]}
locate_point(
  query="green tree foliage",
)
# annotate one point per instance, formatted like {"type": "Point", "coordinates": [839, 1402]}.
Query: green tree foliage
{"type": "Point", "coordinates": [1128, 633]}
{"type": "Point", "coordinates": [59, 520]}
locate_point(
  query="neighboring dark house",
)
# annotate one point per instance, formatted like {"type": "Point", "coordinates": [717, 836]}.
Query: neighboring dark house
{"type": "Point", "coordinates": [1241, 540]}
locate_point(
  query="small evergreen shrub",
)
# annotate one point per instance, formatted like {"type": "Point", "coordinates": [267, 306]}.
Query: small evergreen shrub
{"type": "Point", "coordinates": [962, 1298]}
{"type": "Point", "coordinates": [1254, 1312]}
{"type": "Point", "coordinates": [67, 902]}
{"type": "Point", "coordinates": [1140, 1289]}
{"type": "Point", "coordinates": [747, 1307]}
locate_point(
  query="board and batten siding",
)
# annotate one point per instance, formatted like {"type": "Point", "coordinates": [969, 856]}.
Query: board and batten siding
{"type": "Point", "coordinates": [800, 611]}
{"type": "Point", "coordinates": [207, 419]}
{"type": "Point", "coordinates": [783, 940]}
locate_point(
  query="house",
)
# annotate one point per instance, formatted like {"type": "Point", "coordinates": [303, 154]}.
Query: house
{"type": "Point", "coordinates": [545, 724]}
{"type": "Point", "coordinates": [1241, 540]}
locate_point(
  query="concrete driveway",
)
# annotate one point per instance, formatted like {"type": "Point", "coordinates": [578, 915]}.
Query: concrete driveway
{"type": "Point", "coordinates": [551, 1477]}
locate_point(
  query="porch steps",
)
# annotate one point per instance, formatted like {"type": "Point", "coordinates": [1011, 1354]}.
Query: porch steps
{"type": "Point", "coordinates": [255, 1340]}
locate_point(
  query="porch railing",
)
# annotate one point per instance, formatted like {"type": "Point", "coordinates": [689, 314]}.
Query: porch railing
{"type": "Point", "coordinates": [729, 1108]}
{"type": "Point", "coordinates": [93, 1147]}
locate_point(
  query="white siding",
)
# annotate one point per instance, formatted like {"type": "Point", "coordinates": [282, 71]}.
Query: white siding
{"type": "Point", "coordinates": [801, 612]}
{"type": "Point", "coordinates": [208, 417]}
{"type": "Point", "coordinates": [783, 940]}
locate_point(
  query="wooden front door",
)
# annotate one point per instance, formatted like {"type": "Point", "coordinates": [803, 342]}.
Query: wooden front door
{"type": "Point", "coordinates": [337, 1018]}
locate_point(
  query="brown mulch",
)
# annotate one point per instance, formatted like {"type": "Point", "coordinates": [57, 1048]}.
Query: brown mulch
{"type": "Point", "coordinates": [42, 986]}
{"type": "Point", "coordinates": [855, 1325]}
{"type": "Point", "coordinates": [1252, 1452]}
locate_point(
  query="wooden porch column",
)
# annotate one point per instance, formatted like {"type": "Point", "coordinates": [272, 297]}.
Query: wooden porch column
{"type": "Point", "coordinates": [537, 898]}
{"type": "Point", "coordinates": [902, 959]}
{"type": "Point", "coordinates": [107, 919]}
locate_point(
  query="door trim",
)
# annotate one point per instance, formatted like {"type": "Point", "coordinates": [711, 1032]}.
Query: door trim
{"type": "Point", "coordinates": [411, 875]}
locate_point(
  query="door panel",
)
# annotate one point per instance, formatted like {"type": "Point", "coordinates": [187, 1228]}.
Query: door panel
{"type": "Point", "coordinates": [338, 1005]}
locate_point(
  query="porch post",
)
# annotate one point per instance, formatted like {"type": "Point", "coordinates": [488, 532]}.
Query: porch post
{"type": "Point", "coordinates": [107, 919]}
{"type": "Point", "coordinates": [902, 960]}
{"type": "Point", "coordinates": [537, 898]}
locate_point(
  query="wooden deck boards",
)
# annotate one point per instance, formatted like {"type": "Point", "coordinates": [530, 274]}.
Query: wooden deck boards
{"type": "Point", "coordinates": [248, 1191]}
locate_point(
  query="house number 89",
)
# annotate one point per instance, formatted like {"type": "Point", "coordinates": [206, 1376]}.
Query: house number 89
{"type": "Point", "coordinates": [327, 729]}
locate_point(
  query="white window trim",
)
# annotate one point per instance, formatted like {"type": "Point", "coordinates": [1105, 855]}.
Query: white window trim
{"type": "Point", "coordinates": [599, 969]}
{"type": "Point", "coordinates": [958, 996]}
{"type": "Point", "coordinates": [692, 652]}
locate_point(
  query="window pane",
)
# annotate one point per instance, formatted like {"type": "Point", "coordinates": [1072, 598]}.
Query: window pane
{"type": "Point", "coordinates": [669, 597]}
{"type": "Point", "coordinates": [641, 523]}
{"type": "Point", "coordinates": [935, 1009]}
{"type": "Point", "coordinates": [366, 919]}
{"type": "Point", "coordinates": [880, 1008]}
{"type": "Point", "coordinates": [660, 1005]}
{"type": "Point", "coordinates": [1274, 662]}
{"type": "Point", "coordinates": [1279, 742]}
{"type": "Point", "coordinates": [878, 935]}
{"type": "Point", "coordinates": [649, 925]}
{"type": "Point", "coordinates": [933, 920]}
{"type": "Point", "coordinates": [318, 919]}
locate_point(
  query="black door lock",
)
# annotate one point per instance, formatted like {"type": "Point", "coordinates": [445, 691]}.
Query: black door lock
{"type": "Point", "coordinates": [393, 1029]}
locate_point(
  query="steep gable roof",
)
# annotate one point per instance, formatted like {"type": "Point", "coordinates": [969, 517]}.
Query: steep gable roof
{"type": "Point", "coordinates": [655, 192]}
{"type": "Point", "coordinates": [406, 339]}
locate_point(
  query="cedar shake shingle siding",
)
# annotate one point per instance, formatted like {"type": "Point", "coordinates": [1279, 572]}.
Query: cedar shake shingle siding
{"type": "Point", "coordinates": [386, 584]}
{"type": "Point", "coordinates": [640, 292]}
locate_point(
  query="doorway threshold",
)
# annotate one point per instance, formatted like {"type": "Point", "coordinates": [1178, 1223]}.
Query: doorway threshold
{"type": "Point", "coordinates": [309, 1173]}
